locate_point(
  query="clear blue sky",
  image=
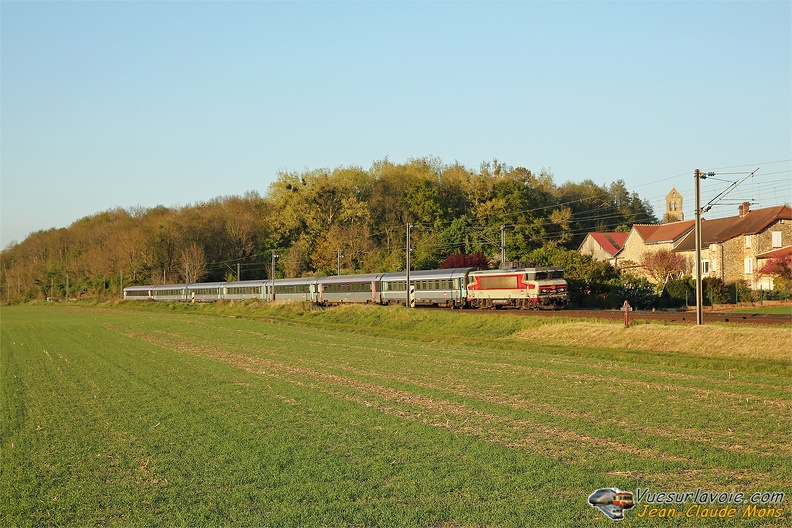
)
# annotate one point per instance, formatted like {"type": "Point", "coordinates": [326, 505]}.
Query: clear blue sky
{"type": "Point", "coordinates": [125, 104]}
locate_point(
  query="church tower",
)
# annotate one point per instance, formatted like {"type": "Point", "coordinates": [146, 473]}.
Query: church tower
{"type": "Point", "coordinates": [673, 212]}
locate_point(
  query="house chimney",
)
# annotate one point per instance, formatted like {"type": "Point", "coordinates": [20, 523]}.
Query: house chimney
{"type": "Point", "coordinates": [745, 208]}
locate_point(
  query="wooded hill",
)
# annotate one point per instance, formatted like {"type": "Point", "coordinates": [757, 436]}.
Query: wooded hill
{"type": "Point", "coordinates": [309, 218]}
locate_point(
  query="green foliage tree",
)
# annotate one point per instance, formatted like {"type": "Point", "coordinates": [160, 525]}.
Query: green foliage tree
{"type": "Point", "coordinates": [308, 216]}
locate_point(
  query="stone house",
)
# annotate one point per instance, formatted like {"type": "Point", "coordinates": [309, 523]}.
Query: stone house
{"type": "Point", "coordinates": [732, 248]}
{"type": "Point", "coordinates": [652, 237]}
{"type": "Point", "coordinates": [603, 246]}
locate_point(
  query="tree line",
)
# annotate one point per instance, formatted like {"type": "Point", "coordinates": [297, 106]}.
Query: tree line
{"type": "Point", "coordinates": [318, 221]}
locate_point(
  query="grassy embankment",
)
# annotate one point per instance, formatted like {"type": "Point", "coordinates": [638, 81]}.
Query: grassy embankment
{"type": "Point", "coordinates": [259, 415]}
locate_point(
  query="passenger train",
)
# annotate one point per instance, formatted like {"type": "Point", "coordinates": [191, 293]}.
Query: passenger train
{"type": "Point", "coordinates": [523, 288]}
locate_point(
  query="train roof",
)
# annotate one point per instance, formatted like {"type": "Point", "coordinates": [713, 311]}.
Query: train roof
{"type": "Point", "coordinates": [247, 283]}
{"type": "Point", "coordinates": [296, 281]}
{"type": "Point", "coordinates": [160, 287]}
{"type": "Point", "coordinates": [518, 270]}
{"type": "Point", "coordinates": [202, 285]}
{"type": "Point", "coordinates": [137, 288]}
{"type": "Point", "coordinates": [340, 279]}
{"type": "Point", "coordinates": [450, 273]}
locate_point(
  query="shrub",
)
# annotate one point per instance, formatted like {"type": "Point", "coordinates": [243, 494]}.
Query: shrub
{"type": "Point", "coordinates": [677, 292]}
{"type": "Point", "coordinates": [714, 291]}
{"type": "Point", "coordinates": [638, 292]}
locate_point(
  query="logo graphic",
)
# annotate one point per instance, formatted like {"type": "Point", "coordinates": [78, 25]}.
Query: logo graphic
{"type": "Point", "coordinates": [612, 502]}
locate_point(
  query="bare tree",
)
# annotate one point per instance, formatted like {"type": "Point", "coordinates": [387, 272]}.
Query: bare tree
{"type": "Point", "coordinates": [193, 261]}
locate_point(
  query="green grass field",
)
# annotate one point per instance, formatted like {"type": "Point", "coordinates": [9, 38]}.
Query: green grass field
{"type": "Point", "coordinates": [246, 415]}
{"type": "Point", "coordinates": [781, 309]}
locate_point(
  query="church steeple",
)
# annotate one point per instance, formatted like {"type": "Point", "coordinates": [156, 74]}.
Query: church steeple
{"type": "Point", "coordinates": [673, 210]}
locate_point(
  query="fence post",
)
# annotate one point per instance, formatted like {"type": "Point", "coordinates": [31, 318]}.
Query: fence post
{"type": "Point", "coordinates": [626, 309]}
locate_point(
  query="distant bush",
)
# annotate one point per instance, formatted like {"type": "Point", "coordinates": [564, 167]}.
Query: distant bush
{"type": "Point", "coordinates": [677, 293]}
{"type": "Point", "coordinates": [640, 293]}
{"type": "Point", "coordinates": [715, 291]}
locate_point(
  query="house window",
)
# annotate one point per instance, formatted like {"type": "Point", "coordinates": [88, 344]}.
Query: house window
{"type": "Point", "coordinates": [714, 264]}
{"type": "Point", "coordinates": [748, 265]}
{"type": "Point", "coordinates": [776, 238]}
{"type": "Point", "coordinates": [705, 267]}
{"type": "Point", "coordinates": [747, 241]}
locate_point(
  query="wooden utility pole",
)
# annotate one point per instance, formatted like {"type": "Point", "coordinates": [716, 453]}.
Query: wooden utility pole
{"type": "Point", "coordinates": [409, 249]}
{"type": "Point", "coordinates": [699, 296]}
{"type": "Point", "coordinates": [503, 246]}
{"type": "Point", "coordinates": [272, 278]}
{"type": "Point", "coordinates": [698, 175]}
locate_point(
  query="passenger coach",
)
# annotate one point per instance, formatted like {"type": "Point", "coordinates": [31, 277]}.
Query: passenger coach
{"type": "Point", "coordinates": [138, 293]}
{"type": "Point", "coordinates": [343, 289]}
{"type": "Point", "coordinates": [303, 289]}
{"type": "Point", "coordinates": [169, 292]}
{"type": "Point", "coordinates": [444, 287]}
{"type": "Point", "coordinates": [241, 290]}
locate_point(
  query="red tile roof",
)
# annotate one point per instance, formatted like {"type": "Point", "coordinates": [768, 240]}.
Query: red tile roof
{"type": "Point", "coordinates": [669, 232]}
{"type": "Point", "coordinates": [722, 229]}
{"type": "Point", "coordinates": [756, 221]}
{"type": "Point", "coordinates": [645, 230]}
{"type": "Point", "coordinates": [611, 242]}
{"type": "Point", "coordinates": [776, 253]}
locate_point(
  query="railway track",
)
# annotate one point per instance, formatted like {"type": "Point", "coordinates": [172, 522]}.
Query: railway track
{"type": "Point", "coordinates": [687, 317]}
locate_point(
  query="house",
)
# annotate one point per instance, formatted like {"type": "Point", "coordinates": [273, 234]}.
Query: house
{"type": "Point", "coordinates": [731, 247]}
{"type": "Point", "coordinates": [603, 246]}
{"type": "Point", "coordinates": [652, 237]}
